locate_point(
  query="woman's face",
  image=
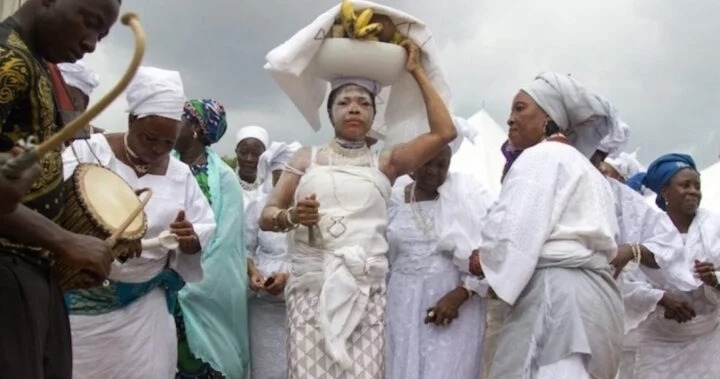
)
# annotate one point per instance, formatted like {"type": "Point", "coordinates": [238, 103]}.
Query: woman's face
{"type": "Point", "coordinates": [526, 123]}
{"type": "Point", "coordinates": [430, 176]}
{"type": "Point", "coordinates": [682, 193]}
{"type": "Point", "coordinates": [352, 112]}
{"type": "Point", "coordinates": [153, 137]}
{"type": "Point", "coordinates": [248, 152]}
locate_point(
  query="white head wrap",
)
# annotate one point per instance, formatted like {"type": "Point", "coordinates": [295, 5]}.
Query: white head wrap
{"type": "Point", "coordinates": [257, 132]}
{"type": "Point", "coordinates": [585, 118]}
{"type": "Point", "coordinates": [627, 165]}
{"type": "Point", "coordinates": [274, 158]}
{"type": "Point", "coordinates": [80, 76]}
{"type": "Point", "coordinates": [616, 141]}
{"type": "Point", "coordinates": [156, 92]}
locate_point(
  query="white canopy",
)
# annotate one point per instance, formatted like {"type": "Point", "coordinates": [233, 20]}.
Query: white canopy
{"type": "Point", "coordinates": [483, 159]}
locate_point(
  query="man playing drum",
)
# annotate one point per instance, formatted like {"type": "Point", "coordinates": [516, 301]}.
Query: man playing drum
{"type": "Point", "coordinates": [34, 326]}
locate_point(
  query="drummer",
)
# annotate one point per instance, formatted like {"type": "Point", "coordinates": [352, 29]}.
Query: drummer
{"type": "Point", "coordinates": [34, 326]}
{"type": "Point", "coordinates": [80, 80]}
{"type": "Point", "coordinates": [126, 330]}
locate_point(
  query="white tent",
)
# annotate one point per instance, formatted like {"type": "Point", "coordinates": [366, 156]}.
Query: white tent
{"type": "Point", "coordinates": [484, 158]}
{"type": "Point", "coordinates": [8, 7]}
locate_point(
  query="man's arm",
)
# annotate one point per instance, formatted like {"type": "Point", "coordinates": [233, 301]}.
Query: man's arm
{"type": "Point", "coordinates": [28, 226]}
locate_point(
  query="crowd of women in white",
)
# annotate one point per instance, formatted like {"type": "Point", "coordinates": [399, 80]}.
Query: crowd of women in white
{"type": "Point", "coordinates": [383, 263]}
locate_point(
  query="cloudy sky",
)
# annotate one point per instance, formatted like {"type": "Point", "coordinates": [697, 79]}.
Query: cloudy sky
{"type": "Point", "coordinates": [655, 60]}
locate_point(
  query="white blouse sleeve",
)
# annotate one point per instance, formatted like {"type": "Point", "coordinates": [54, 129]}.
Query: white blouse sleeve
{"type": "Point", "coordinates": [518, 225]}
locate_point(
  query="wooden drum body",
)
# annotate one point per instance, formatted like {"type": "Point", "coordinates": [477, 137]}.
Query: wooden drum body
{"type": "Point", "coordinates": [99, 202]}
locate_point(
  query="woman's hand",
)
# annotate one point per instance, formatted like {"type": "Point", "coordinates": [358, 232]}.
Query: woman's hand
{"type": "Point", "coordinates": [447, 308]}
{"type": "Point", "coordinates": [186, 237]}
{"type": "Point", "coordinates": [256, 280]}
{"type": "Point", "coordinates": [705, 271]}
{"type": "Point", "coordinates": [306, 211]}
{"type": "Point", "coordinates": [278, 284]}
{"type": "Point", "coordinates": [677, 310]}
{"type": "Point", "coordinates": [413, 63]}
{"type": "Point", "coordinates": [475, 267]}
{"type": "Point", "coordinates": [622, 258]}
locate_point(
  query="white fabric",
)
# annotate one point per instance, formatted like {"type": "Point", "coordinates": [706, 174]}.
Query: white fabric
{"type": "Point", "coordinates": [80, 76]}
{"type": "Point", "coordinates": [142, 335]}
{"type": "Point", "coordinates": [572, 367]}
{"type": "Point", "coordinates": [421, 273]}
{"type": "Point", "coordinates": [668, 349]}
{"type": "Point", "coordinates": [156, 92]}
{"type": "Point", "coordinates": [627, 165]}
{"type": "Point", "coordinates": [347, 265]}
{"type": "Point", "coordinates": [401, 113]}
{"type": "Point", "coordinates": [253, 131]}
{"type": "Point", "coordinates": [275, 158]}
{"type": "Point", "coordinates": [465, 131]}
{"type": "Point", "coordinates": [267, 313]}
{"type": "Point", "coordinates": [551, 194]}
{"type": "Point", "coordinates": [585, 118]}
{"type": "Point", "coordinates": [614, 143]}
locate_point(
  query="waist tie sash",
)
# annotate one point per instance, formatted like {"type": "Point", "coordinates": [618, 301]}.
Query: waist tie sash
{"type": "Point", "coordinates": [348, 275]}
{"type": "Point", "coordinates": [118, 295]}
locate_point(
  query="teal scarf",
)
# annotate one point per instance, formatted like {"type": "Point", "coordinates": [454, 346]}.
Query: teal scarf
{"type": "Point", "coordinates": [215, 310]}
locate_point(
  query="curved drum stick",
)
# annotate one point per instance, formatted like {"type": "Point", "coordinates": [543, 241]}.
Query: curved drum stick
{"type": "Point", "coordinates": [32, 154]}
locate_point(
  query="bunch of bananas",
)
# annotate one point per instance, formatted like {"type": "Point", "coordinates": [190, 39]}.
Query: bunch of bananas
{"type": "Point", "coordinates": [361, 26]}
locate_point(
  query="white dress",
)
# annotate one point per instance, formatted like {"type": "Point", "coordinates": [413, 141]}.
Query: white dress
{"type": "Point", "coordinates": [670, 350]}
{"type": "Point", "coordinates": [267, 313]}
{"type": "Point", "coordinates": [419, 277]}
{"type": "Point", "coordinates": [336, 291]}
{"type": "Point", "coordinates": [139, 341]}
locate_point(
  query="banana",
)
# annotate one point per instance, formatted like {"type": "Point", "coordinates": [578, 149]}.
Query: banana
{"type": "Point", "coordinates": [348, 18]}
{"type": "Point", "coordinates": [370, 30]}
{"type": "Point", "coordinates": [397, 38]}
{"type": "Point", "coordinates": [363, 19]}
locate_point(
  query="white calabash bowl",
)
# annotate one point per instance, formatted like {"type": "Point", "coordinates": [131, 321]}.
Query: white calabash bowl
{"type": "Point", "coordinates": [344, 57]}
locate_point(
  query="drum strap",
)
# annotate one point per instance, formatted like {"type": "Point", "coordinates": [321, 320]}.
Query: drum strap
{"type": "Point", "coordinates": [60, 87]}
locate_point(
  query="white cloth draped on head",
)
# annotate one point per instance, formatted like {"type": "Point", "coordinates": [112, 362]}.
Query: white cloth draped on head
{"type": "Point", "coordinates": [275, 158]}
{"type": "Point", "coordinates": [585, 118]}
{"type": "Point", "coordinates": [80, 76]}
{"type": "Point", "coordinates": [253, 131]}
{"type": "Point", "coordinates": [616, 141]}
{"type": "Point", "coordinates": [627, 165]}
{"type": "Point", "coordinates": [401, 113]}
{"type": "Point", "coordinates": [156, 92]}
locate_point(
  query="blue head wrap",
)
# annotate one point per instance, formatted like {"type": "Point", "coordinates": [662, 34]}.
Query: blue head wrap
{"type": "Point", "coordinates": [661, 171]}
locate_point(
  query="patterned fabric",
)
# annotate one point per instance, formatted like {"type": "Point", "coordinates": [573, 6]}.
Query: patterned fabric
{"type": "Point", "coordinates": [117, 295]}
{"type": "Point", "coordinates": [210, 115]}
{"type": "Point", "coordinates": [28, 111]}
{"type": "Point", "coordinates": [307, 358]}
{"type": "Point", "coordinates": [200, 172]}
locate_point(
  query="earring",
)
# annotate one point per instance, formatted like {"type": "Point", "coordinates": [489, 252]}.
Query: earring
{"type": "Point", "coordinates": [194, 135]}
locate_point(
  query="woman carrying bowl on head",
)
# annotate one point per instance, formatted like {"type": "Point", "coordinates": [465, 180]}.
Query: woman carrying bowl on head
{"type": "Point", "coordinates": [338, 193]}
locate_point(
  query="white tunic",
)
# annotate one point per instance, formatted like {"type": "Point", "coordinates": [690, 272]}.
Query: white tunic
{"type": "Point", "coordinates": [670, 350]}
{"type": "Point", "coordinates": [546, 245]}
{"type": "Point", "coordinates": [139, 341]}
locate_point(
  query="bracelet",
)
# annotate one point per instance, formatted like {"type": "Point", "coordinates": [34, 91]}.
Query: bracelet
{"type": "Point", "coordinates": [637, 252]}
{"type": "Point", "coordinates": [288, 218]}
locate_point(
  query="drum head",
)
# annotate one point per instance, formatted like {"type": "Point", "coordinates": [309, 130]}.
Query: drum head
{"type": "Point", "coordinates": [110, 199]}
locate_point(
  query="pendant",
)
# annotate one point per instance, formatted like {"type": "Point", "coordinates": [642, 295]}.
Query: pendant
{"type": "Point", "coordinates": [337, 228]}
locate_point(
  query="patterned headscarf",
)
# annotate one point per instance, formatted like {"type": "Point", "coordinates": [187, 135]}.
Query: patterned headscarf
{"type": "Point", "coordinates": [210, 115]}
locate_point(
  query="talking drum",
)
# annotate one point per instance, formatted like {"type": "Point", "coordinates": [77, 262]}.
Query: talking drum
{"type": "Point", "coordinates": [99, 203]}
